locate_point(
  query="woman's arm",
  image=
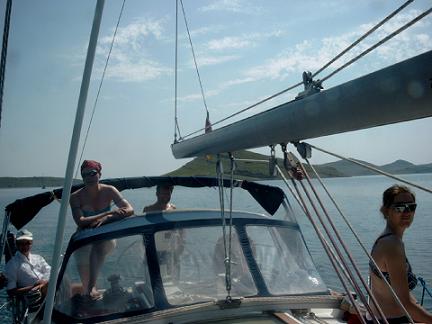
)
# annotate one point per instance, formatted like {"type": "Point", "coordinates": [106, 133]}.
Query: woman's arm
{"type": "Point", "coordinates": [124, 209]}
{"type": "Point", "coordinates": [396, 266]}
{"type": "Point", "coordinates": [80, 219]}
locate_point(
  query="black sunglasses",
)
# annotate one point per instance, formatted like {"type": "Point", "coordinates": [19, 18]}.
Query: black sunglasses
{"type": "Point", "coordinates": [89, 173]}
{"type": "Point", "coordinates": [404, 207]}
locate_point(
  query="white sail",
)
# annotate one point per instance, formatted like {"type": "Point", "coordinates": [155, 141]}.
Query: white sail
{"type": "Point", "coordinates": [400, 92]}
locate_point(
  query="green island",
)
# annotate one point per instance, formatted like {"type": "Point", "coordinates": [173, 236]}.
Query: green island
{"type": "Point", "coordinates": [206, 166]}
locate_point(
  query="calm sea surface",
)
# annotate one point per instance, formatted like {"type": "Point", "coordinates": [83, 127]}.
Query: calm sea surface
{"type": "Point", "coordinates": [358, 197]}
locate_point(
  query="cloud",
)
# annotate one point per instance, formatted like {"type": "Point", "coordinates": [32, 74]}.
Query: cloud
{"type": "Point", "coordinates": [130, 60]}
{"type": "Point", "coordinates": [239, 42]}
{"type": "Point", "coordinates": [312, 55]}
{"type": "Point", "coordinates": [229, 42]}
{"type": "Point", "coordinates": [197, 96]}
{"type": "Point", "coordinates": [213, 60]}
{"type": "Point", "coordinates": [236, 6]}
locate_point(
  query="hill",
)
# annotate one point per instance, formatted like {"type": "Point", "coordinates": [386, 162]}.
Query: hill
{"type": "Point", "coordinates": [201, 166]}
{"type": "Point", "coordinates": [256, 170]}
{"type": "Point", "coordinates": [28, 182]}
{"type": "Point", "coordinates": [244, 170]}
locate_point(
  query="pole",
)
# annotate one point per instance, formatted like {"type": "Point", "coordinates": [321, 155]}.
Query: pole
{"type": "Point", "coordinates": [71, 160]}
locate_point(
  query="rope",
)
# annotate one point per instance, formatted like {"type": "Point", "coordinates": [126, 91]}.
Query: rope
{"type": "Point", "coordinates": [227, 260]}
{"type": "Point", "coordinates": [338, 236]}
{"type": "Point", "coordinates": [228, 298]}
{"type": "Point", "coordinates": [5, 304]}
{"type": "Point", "coordinates": [336, 248]}
{"type": "Point", "coordinates": [328, 250]}
{"type": "Point", "coordinates": [99, 88]}
{"type": "Point", "coordinates": [194, 58]}
{"type": "Point", "coordinates": [423, 283]}
{"type": "Point", "coordinates": [348, 223]}
{"type": "Point", "coordinates": [372, 169]}
{"type": "Point", "coordinates": [247, 108]}
{"type": "Point", "coordinates": [176, 126]}
{"type": "Point", "coordinates": [4, 51]}
{"type": "Point", "coordinates": [419, 17]}
{"type": "Point", "coordinates": [363, 37]}
{"type": "Point", "coordinates": [334, 59]}
{"type": "Point", "coordinates": [289, 188]}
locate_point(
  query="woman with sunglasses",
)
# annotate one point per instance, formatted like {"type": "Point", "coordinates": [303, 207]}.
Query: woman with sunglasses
{"type": "Point", "coordinates": [91, 207]}
{"type": "Point", "coordinates": [388, 251]}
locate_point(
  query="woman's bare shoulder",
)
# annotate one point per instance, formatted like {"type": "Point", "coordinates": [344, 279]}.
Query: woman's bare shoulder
{"type": "Point", "coordinates": [391, 244]}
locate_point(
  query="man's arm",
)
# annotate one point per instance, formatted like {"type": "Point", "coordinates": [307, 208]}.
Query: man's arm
{"type": "Point", "coordinates": [45, 268]}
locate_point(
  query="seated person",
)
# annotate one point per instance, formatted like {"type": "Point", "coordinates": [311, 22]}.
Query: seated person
{"type": "Point", "coordinates": [163, 197]}
{"type": "Point", "coordinates": [170, 245]}
{"type": "Point", "coordinates": [26, 271]}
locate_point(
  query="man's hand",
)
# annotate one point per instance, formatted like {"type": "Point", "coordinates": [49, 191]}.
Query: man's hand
{"type": "Point", "coordinates": [39, 284]}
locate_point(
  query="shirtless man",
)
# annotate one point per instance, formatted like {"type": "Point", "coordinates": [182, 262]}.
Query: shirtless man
{"type": "Point", "coordinates": [91, 207]}
{"type": "Point", "coordinates": [163, 194]}
{"type": "Point", "coordinates": [170, 245]}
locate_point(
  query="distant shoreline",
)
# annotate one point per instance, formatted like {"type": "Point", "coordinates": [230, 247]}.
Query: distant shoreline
{"type": "Point", "coordinates": [54, 182]}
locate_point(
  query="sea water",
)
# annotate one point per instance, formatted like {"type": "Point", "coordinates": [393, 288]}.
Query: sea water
{"type": "Point", "coordinates": [358, 197]}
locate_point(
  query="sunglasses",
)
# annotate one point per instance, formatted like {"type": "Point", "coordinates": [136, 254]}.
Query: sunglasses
{"type": "Point", "coordinates": [90, 173]}
{"type": "Point", "coordinates": [404, 207]}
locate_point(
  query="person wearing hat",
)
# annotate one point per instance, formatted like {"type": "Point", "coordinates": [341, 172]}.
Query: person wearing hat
{"type": "Point", "coordinates": [91, 208]}
{"type": "Point", "coordinates": [26, 271]}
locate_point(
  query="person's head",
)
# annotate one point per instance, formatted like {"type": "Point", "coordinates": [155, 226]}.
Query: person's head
{"type": "Point", "coordinates": [163, 193]}
{"type": "Point", "coordinates": [24, 241]}
{"type": "Point", "coordinates": [91, 171]}
{"type": "Point", "coordinates": [398, 205]}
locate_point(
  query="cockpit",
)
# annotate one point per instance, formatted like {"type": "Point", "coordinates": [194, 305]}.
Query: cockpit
{"type": "Point", "coordinates": [172, 259]}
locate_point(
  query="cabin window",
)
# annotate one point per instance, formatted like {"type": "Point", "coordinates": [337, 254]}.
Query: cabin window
{"type": "Point", "coordinates": [284, 261]}
{"type": "Point", "coordinates": [192, 265]}
{"type": "Point", "coordinates": [123, 280]}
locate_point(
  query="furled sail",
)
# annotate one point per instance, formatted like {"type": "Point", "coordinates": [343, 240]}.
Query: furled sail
{"type": "Point", "coordinates": [398, 93]}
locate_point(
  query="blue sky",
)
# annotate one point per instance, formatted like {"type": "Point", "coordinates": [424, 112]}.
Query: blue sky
{"type": "Point", "coordinates": [246, 50]}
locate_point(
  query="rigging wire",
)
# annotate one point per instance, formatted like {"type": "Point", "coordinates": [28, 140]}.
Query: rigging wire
{"type": "Point", "coordinates": [370, 31]}
{"type": "Point", "coordinates": [348, 223]}
{"type": "Point", "coordinates": [332, 257]}
{"type": "Point", "coordinates": [345, 248]}
{"type": "Point", "coordinates": [290, 158]}
{"type": "Point", "coordinates": [227, 254]}
{"type": "Point", "coordinates": [194, 57]}
{"type": "Point", "coordinates": [385, 39]}
{"type": "Point", "coordinates": [4, 51]}
{"type": "Point", "coordinates": [371, 168]}
{"type": "Point", "coordinates": [247, 108]}
{"type": "Point", "coordinates": [176, 125]}
{"type": "Point", "coordinates": [99, 88]}
{"type": "Point", "coordinates": [334, 59]}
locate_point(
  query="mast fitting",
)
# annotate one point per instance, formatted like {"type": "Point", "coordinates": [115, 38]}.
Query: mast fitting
{"type": "Point", "coordinates": [310, 86]}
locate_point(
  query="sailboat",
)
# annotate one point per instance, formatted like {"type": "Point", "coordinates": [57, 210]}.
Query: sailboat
{"type": "Point", "coordinates": [226, 266]}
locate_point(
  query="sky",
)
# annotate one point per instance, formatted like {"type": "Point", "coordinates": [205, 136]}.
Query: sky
{"type": "Point", "coordinates": [245, 50]}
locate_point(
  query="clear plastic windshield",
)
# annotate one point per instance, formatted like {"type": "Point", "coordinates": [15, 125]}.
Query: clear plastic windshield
{"type": "Point", "coordinates": [284, 261]}
{"type": "Point", "coordinates": [193, 267]}
{"type": "Point", "coordinates": [122, 282]}
{"type": "Point", "coordinates": [192, 264]}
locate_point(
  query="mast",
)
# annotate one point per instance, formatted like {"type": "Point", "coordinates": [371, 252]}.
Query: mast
{"type": "Point", "coordinates": [398, 93]}
{"type": "Point", "coordinates": [71, 160]}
